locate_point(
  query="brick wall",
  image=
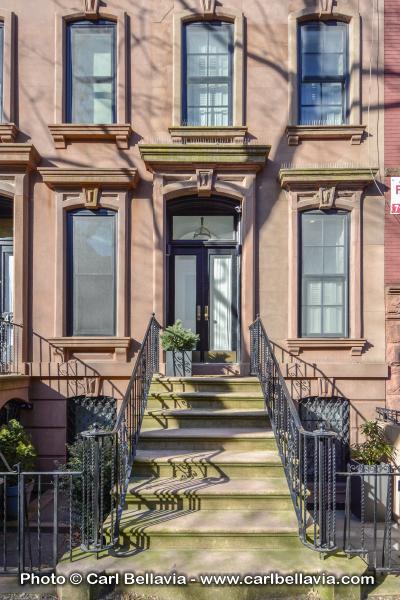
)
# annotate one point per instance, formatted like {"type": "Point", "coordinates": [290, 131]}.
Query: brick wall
{"type": "Point", "coordinates": [392, 133]}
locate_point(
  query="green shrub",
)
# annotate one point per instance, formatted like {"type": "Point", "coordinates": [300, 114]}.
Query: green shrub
{"type": "Point", "coordinates": [177, 338]}
{"type": "Point", "coordinates": [16, 446]}
{"type": "Point", "coordinates": [375, 449]}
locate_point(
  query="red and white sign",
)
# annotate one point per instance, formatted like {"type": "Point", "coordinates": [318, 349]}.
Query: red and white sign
{"type": "Point", "coordinates": [395, 196]}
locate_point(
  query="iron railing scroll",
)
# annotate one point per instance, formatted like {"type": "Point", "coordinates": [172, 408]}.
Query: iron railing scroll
{"type": "Point", "coordinates": [308, 457]}
{"type": "Point", "coordinates": [108, 455]}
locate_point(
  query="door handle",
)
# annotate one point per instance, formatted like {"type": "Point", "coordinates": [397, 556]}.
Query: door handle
{"type": "Point", "coordinates": [198, 312]}
{"type": "Point", "coordinates": [206, 313]}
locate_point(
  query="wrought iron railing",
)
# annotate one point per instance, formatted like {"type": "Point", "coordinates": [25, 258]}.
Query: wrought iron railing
{"type": "Point", "coordinates": [39, 519]}
{"type": "Point", "coordinates": [10, 340]}
{"type": "Point", "coordinates": [308, 457]}
{"type": "Point", "coordinates": [107, 456]}
{"type": "Point", "coordinates": [389, 415]}
{"type": "Point", "coordinates": [368, 525]}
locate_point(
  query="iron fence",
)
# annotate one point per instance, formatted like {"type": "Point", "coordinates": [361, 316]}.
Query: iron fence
{"type": "Point", "coordinates": [107, 456]}
{"type": "Point", "coordinates": [40, 519]}
{"type": "Point", "coordinates": [368, 526]}
{"type": "Point", "coordinates": [10, 341]}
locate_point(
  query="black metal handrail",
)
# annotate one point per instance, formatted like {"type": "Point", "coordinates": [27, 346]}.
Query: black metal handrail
{"type": "Point", "coordinates": [10, 334]}
{"type": "Point", "coordinates": [108, 456]}
{"type": "Point", "coordinates": [308, 457]}
{"type": "Point", "coordinates": [389, 415]}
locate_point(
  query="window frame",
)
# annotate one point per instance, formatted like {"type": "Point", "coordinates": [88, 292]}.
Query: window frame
{"type": "Point", "coordinates": [87, 23]}
{"type": "Point", "coordinates": [345, 80]}
{"type": "Point", "coordinates": [353, 19]}
{"type": "Point", "coordinates": [207, 80]}
{"type": "Point", "coordinates": [70, 214]}
{"type": "Point", "coordinates": [324, 277]}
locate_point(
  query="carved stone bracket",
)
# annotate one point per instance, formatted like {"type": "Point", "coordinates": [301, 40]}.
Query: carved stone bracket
{"type": "Point", "coordinates": [91, 197]}
{"type": "Point", "coordinates": [326, 197]}
{"type": "Point", "coordinates": [204, 181]}
{"type": "Point", "coordinates": [208, 7]}
{"type": "Point", "coordinates": [91, 7]}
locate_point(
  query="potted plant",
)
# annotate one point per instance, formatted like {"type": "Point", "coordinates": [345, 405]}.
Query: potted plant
{"type": "Point", "coordinates": [178, 344]}
{"type": "Point", "coordinates": [374, 455]}
{"type": "Point", "coordinates": [17, 448]}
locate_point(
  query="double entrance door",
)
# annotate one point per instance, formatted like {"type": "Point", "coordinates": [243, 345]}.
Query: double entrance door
{"type": "Point", "coordinates": [203, 294]}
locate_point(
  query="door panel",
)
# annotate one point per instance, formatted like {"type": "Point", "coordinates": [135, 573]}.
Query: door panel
{"type": "Point", "coordinates": [203, 295]}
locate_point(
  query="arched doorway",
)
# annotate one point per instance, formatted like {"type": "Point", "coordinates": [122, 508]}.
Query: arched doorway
{"type": "Point", "coordinates": [203, 275]}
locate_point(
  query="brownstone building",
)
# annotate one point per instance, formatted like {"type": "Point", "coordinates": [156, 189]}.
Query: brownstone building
{"type": "Point", "coordinates": [206, 161]}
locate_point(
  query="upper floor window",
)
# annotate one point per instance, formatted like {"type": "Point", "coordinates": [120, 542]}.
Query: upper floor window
{"type": "Point", "coordinates": [323, 73]}
{"type": "Point", "coordinates": [208, 74]}
{"type": "Point", "coordinates": [91, 253]}
{"type": "Point", "coordinates": [1, 69]}
{"type": "Point", "coordinates": [91, 72]}
{"type": "Point", "coordinates": [324, 274]}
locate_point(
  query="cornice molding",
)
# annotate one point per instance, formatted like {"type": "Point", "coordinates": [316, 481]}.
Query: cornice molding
{"type": "Point", "coordinates": [311, 178]}
{"type": "Point", "coordinates": [251, 157]}
{"type": "Point", "coordinates": [297, 133]}
{"type": "Point", "coordinates": [68, 132]}
{"type": "Point", "coordinates": [19, 156]}
{"type": "Point", "coordinates": [55, 177]}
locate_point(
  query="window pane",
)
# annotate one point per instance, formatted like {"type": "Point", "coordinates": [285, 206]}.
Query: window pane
{"type": "Point", "coordinates": [92, 272]}
{"type": "Point", "coordinates": [334, 230]}
{"type": "Point", "coordinates": [333, 292]}
{"type": "Point", "coordinates": [311, 40]}
{"type": "Point", "coordinates": [311, 93]}
{"type": "Point", "coordinates": [312, 65]}
{"type": "Point", "coordinates": [332, 321]}
{"type": "Point", "coordinates": [334, 260]}
{"type": "Point", "coordinates": [312, 260]}
{"type": "Point", "coordinates": [208, 63]}
{"type": "Point", "coordinates": [312, 229]}
{"type": "Point", "coordinates": [203, 228]}
{"type": "Point", "coordinates": [333, 65]}
{"type": "Point", "coordinates": [185, 291]}
{"type": "Point", "coordinates": [332, 115]}
{"type": "Point", "coordinates": [313, 293]}
{"type": "Point", "coordinates": [91, 83]}
{"type": "Point", "coordinates": [334, 37]}
{"type": "Point", "coordinates": [311, 115]}
{"type": "Point", "coordinates": [332, 94]}
{"type": "Point", "coordinates": [312, 321]}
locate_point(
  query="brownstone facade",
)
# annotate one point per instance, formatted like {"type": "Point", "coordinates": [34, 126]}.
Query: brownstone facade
{"type": "Point", "coordinates": [269, 164]}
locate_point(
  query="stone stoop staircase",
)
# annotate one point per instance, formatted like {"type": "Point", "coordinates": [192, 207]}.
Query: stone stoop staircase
{"type": "Point", "coordinates": [208, 495]}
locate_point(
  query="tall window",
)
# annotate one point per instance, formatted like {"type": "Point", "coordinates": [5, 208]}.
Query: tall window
{"type": "Point", "coordinates": [91, 272]}
{"type": "Point", "coordinates": [323, 73]}
{"type": "Point", "coordinates": [91, 72]}
{"type": "Point", "coordinates": [324, 273]}
{"type": "Point", "coordinates": [1, 69]}
{"type": "Point", "coordinates": [208, 74]}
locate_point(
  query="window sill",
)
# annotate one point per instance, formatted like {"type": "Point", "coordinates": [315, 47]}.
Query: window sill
{"type": "Point", "coordinates": [297, 345]}
{"type": "Point", "coordinates": [297, 133]}
{"type": "Point", "coordinates": [8, 133]}
{"type": "Point", "coordinates": [196, 135]}
{"type": "Point", "coordinates": [119, 345]}
{"type": "Point", "coordinates": [69, 132]}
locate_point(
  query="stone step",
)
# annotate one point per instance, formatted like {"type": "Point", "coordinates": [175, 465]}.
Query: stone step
{"type": "Point", "coordinates": [205, 384]}
{"type": "Point", "coordinates": [198, 464]}
{"type": "Point", "coordinates": [205, 400]}
{"type": "Point", "coordinates": [212, 529]}
{"type": "Point", "coordinates": [226, 418]}
{"type": "Point", "coordinates": [205, 438]}
{"type": "Point", "coordinates": [209, 494]}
